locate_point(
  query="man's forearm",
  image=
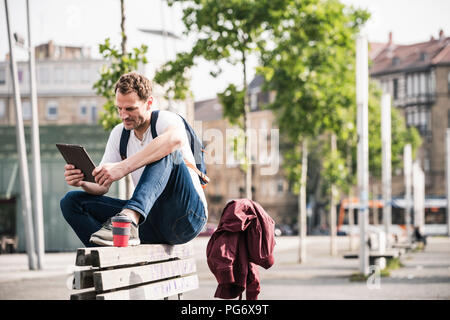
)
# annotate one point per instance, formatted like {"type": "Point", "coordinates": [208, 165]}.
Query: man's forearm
{"type": "Point", "coordinates": [157, 149]}
{"type": "Point", "coordinates": [94, 188]}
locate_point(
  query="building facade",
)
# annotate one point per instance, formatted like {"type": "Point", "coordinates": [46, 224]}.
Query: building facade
{"type": "Point", "coordinates": [270, 188]}
{"type": "Point", "coordinates": [417, 76]}
{"type": "Point", "coordinates": [65, 76]}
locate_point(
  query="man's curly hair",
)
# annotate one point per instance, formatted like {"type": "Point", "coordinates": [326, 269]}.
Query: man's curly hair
{"type": "Point", "coordinates": [134, 82]}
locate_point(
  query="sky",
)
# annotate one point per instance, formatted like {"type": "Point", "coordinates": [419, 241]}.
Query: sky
{"type": "Point", "coordinates": [89, 22]}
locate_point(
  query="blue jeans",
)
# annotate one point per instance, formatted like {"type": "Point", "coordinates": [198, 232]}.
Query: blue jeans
{"type": "Point", "coordinates": [170, 207]}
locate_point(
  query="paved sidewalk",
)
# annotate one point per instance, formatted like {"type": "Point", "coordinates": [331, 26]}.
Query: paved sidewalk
{"type": "Point", "coordinates": [425, 275]}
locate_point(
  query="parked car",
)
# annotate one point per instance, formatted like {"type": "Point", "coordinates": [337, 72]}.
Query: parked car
{"type": "Point", "coordinates": [283, 230]}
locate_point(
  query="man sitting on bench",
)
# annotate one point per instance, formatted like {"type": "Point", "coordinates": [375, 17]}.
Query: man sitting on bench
{"type": "Point", "coordinates": [168, 204]}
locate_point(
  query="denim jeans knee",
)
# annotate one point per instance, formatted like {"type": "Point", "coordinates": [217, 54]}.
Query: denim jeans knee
{"type": "Point", "coordinates": [187, 226]}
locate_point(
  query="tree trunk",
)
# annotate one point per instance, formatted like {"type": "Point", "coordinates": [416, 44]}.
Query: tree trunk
{"type": "Point", "coordinates": [122, 27]}
{"type": "Point", "coordinates": [333, 248]}
{"type": "Point", "coordinates": [302, 203]}
{"type": "Point", "coordinates": [248, 150]}
{"type": "Point", "coordinates": [351, 215]}
{"type": "Point", "coordinates": [128, 182]}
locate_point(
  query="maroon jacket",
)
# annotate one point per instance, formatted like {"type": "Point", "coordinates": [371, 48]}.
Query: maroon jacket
{"type": "Point", "coordinates": [243, 239]}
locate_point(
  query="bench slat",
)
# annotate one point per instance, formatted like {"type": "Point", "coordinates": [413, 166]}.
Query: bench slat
{"type": "Point", "coordinates": [83, 257]}
{"type": "Point", "coordinates": [156, 290]}
{"type": "Point", "coordinates": [112, 279]}
{"type": "Point", "coordinates": [87, 295]}
{"type": "Point", "coordinates": [387, 254]}
{"type": "Point", "coordinates": [83, 279]}
{"type": "Point", "coordinates": [111, 256]}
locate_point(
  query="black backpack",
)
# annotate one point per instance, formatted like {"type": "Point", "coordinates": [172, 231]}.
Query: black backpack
{"type": "Point", "coordinates": [196, 145]}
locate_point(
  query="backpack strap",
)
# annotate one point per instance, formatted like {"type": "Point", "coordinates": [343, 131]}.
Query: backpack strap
{"type": "Point", "coordinates": [202, 176]}
{"type": "Point", "coordinates": [153, 120]}
{"type": "Point", "coordinates": [124, 142]}
{"type": "Point", "coordinates": [126, 135]}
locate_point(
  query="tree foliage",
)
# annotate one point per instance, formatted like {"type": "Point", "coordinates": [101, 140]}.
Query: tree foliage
{"type": "Point", "coordinates": [228, 31]}
{"type": "Point", "coordinates": [118, 64]}
{"type": "Point", "coordinates": [310, 64]}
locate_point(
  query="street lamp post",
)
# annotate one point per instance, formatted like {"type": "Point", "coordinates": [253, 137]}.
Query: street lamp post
{"type": "Point", "coordinates": [362, 99]}
{"type": "Point", "coordinates": [22, 154]}
{"type": "Point", "coordinates": [35, 149]}
{"type": "Point", "coordinates": [386, 164]}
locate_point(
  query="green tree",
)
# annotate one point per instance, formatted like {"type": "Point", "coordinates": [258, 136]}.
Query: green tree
{"type": "Point", "coordinates": [118, 64]}
{"type": "Point", "coordinates": [228, 31]}
{"type": "Point", "coordinates": [310, 64]}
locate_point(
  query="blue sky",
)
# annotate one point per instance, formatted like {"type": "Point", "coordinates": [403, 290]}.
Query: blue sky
{"type": "Point", "coordinates": [89, 22]}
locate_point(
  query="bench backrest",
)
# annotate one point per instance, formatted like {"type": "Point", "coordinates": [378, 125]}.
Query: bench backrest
{"type": "Point", "coordinates": [135, 273]}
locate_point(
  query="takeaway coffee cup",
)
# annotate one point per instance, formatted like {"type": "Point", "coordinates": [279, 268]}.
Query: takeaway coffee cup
{"type": "Point", "coordinates": [121, 230]}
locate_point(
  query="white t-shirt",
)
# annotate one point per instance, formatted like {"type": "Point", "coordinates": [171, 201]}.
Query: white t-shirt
{"type": "Point", "coordinates": [165, 118]}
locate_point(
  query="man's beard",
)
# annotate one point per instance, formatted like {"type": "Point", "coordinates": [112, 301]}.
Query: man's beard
{"type": "Point", "coordinates": [136, 123]}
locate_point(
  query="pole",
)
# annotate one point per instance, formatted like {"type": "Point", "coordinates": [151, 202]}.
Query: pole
{"type": "Point", "coordinates": [362, 102]}
{"type": "Point", "coordinates": [386, 163]}
{"type": "Point", "coordinates": [448, 178]}
{"type": "Point", "coordinates": [37, 181]}
{"type": "Point", "coordinates": [407, 166]}
{"type": "Point", "coordinates": [22, 155]}
{"type": "Point", "coordinates": [418, 181]}
{"type": "Point", "coordinates": [351, 216]}
{"type": "Point", "coordinates": [302, 203]}
{"type": "Point", "coordinates": [333, 231]}
{"type": "Point", "coordinates": [166, 51]}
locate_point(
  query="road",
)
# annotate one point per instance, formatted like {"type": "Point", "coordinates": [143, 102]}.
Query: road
{"type": "Point", "coordinates": [425, 275]}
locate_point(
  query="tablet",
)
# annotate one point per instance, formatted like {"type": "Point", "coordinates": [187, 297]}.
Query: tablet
{"type": "Point", "coordinates": [77, 156]}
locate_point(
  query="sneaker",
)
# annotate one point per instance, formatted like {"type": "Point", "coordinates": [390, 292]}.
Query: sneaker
{"type": "Point", "coordinates": [104, 236]}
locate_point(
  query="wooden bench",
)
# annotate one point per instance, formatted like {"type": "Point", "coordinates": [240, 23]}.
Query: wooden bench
{"type": "Point", "coordinates": [144, 272]}
{"type": "Point", "coordinates": [405, 246]}
{"type": "Point", "coordinates": [8, 244]}
{"type": "Point", "coordinates": [373, 256]}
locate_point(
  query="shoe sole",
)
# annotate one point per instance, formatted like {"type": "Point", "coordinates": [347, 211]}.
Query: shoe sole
{"type": "Point", "coordinates": [109, 243]}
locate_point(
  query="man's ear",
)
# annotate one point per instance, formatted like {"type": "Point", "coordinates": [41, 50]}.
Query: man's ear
{"type": "Point", "coordinates": [149, 102]}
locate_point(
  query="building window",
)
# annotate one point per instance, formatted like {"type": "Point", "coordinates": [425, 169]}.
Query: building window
{"type": "Point", "coordinates": [43, 75]}
{"type": "Point", "coordinates": [432, 82]}
{"type": "Point", "coordinates": [2, 76]}
{"type": "Point", "coordinates": [448, 118]}
{"type": "Point", "coordinates": [94, 115]}
{"type": "Point", "coordinates": [26, 110]}
{"type": "Point", "coordinates": [72, 75]}
{"type": "Point", "coordinates": [448, 82]}
{"type": "Point", "coordinates": [52, 111]}
{"type": "Point", "coordinates": [395, 61]}
{"type": "Point", "coordinates": [416, 84]}
{"type": "Point", "coordinates": [409, 85]}
{"type": "Point", "coordinates": [280, 186]}
{"type": "Point", "coordinates": [85, 74]}
{"type": "Point", "coordinates": [395, 88]}
{"type": "Point", "coordinates": [59, 75]}
{"type": "Point", "coordinates": [423, 56]}
{"type": "Point", "coordinates": [253, 101]}
{"type": "Point", "coordinates": [2, 109]}
{"type": "Point", "coordinates": [83, 110]}
{"type": "Point", "coordinates": [20, 75]}
{"type": "Point", "coordinates": [426, 161]}
{"type": "Point", "coordinates": [420, 117]}
{"type": "Point", "coordinates": [423, 84]}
